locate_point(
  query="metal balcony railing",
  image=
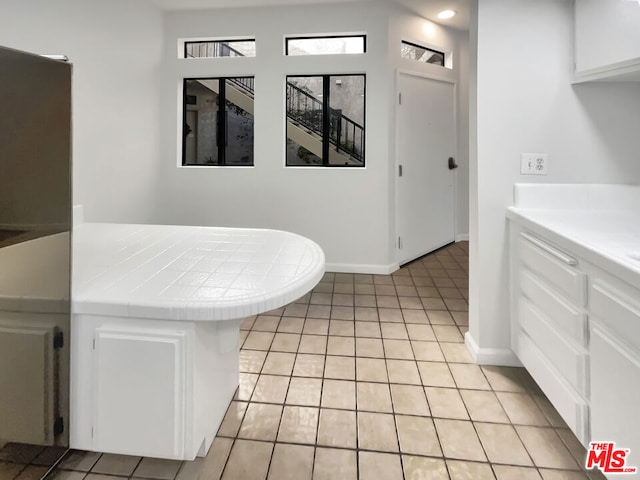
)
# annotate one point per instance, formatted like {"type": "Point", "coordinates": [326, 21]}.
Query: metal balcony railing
{"type": "Point", "coordinates": [345, 135]}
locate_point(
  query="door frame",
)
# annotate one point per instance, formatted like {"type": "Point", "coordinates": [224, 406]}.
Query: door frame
{"type": "Point", "coordinates": [396, 163]}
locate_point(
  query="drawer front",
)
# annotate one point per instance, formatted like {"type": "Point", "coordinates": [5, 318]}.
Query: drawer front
{"type": "Point", "coordinates": [571, 406]}
{"type": "Point", "coordinates": [618, 312]}
{"type": "Point", "coordinates": [561, 314]}
{"type": "Point", "coordinates": [569, 361]}
{"type": "Point", "coordinates": [555, 267]}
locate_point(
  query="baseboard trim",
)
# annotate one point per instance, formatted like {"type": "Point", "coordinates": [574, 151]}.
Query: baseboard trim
{"type": "Point", "coordinates": [462, 237]}
{"type": "Point", "coordinates": [361, 268]}
{"type": "Point", "coordinates": [491, 356]}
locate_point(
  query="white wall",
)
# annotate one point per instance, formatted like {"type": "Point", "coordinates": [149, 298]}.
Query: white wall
{"type": "Point", "coordinates": [525, 103]}
{"type": "Point", "coordinates": [349, 212]}
{"type": "Point", "coordinates": [115, 48]}
{"type": "Point", "coordinates": [343, 209]}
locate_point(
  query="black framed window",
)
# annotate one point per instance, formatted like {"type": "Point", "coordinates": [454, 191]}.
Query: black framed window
{"type": "Point", "coordinates": [220, 48]}
{"type": "Point", "coordinates": [326, 45]}
{"type": "Point", "coordinates": [326, 120]}
{"type": "Point", "coordinates": [218, 121]}
{"type": "Point", "coordinates": [412, 51]}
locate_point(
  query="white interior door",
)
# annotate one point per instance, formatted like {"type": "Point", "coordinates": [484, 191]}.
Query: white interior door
{"type": "Point", "coordinates": [426, 140]}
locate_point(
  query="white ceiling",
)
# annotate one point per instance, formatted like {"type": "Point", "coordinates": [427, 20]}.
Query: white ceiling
{"type": "Point", "coordinates": [425, 8]}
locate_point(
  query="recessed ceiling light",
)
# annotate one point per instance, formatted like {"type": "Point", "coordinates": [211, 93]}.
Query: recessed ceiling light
{"type": "Point", "coordinates": [446, 14]}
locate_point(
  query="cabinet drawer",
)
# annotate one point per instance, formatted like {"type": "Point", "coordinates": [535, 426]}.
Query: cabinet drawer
{"type": "Point", "coordinates": [566, 318]}
{"type": "Point", "coordinates": [571, 406]}
{"type": "Point", "coordinates": [569, 361]}
{"type": "Point", "coordinates": [618, 312]}
{"type": "Point", "coordinates": [554, 266]}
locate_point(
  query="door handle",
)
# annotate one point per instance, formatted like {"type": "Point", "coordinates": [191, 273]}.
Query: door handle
{"type": "Point", "coordinates": [452, 163]}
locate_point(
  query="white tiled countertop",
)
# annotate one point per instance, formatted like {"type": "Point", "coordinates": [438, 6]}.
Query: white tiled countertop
{"type": "Point", "coordinates": [189, 273]}
{"type": "Point", "coordinates": [600, 223]}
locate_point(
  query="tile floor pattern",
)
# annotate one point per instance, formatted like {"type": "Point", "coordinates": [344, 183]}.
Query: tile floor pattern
{"type": "Point", "coordinates": [367, 377]}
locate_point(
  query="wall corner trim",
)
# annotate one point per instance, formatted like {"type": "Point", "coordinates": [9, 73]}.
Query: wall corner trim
{"type": "Point", "coordinates": [462, 237]}
{"type": "Point", "coordinates": [491, 356]}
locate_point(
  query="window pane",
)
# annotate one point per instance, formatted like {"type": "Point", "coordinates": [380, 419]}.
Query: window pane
{"type": "Point", "coordinates": [421, 54]}
{"type": "Point", "coordinates": [220, 48]}
{"type": "Point", "coordinates": [201, 122]}
{"type": "Point", "coordinates": [218, 121]}
{"type": "Point", "coordinates": [304, 121]}
{"type": "Point", "coordinates": [347, 94]}
{"type": "Point", "coordinates": [326, 45]}
{"type": "Point", "coordinates": [325, 120]}
{"type": "Point", "coordinates": [239, 121]}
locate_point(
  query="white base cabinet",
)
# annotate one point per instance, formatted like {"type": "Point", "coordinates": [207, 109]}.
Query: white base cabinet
{"type": "Point", "coordinates": [549, 327]}
{"type": "Point", "coordinates": [150, 387]}
{"type": "Point", "coordinates": [576, 328]}
{"type": "Point", "coordinates": [139, 380]}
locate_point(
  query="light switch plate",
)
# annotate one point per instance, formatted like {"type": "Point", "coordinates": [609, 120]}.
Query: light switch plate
{"type": "Point", "coordinates": [534, 164]}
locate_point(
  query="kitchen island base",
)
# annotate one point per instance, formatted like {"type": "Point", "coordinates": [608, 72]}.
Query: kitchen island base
{"type": "Point", "coordinates": [151, 387]}
{"type": "Point", "coordinates": [156, 313]}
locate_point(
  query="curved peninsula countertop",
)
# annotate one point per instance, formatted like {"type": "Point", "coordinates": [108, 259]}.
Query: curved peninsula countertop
{"type": "Point", "coordinates": [156, 313]}
{"type": "Point", "coordinates": [189, 273]}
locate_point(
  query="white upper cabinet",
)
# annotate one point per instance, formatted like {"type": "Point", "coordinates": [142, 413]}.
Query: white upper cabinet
{"type": "Point", "coordinates": [607, 40]}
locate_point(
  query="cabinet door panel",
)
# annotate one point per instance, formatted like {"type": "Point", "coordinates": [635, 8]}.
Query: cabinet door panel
{"type": "Point", "coordinates": [139, 393]}
{"type": "Point", "coordinates": [606, 33]}
{"type": "Point", "coordinates": [615, 380]}
{"type": "Point", "coordinates": [27, 393]}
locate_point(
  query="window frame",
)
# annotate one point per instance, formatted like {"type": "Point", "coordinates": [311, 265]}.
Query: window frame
{"type": "Point", "coordinates": [423, 47]}
{"type": "Point", "coordinates": [221, 148]}
{"type": "Point", "coordinates": [188, 42]}
{"type": "Point", "coordinates": [326, 120]}
{"type": "Point", "coordinates": [317, 37]}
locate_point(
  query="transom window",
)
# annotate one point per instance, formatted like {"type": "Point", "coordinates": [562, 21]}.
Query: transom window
{"type": "Point", "coordinates": [218, 121]}
{"type": "Point", "coordinates": [416, 52]}
{"type": "Point", "coordinates": [326, 120]}
{"type": "Point", "coordinates": [220, 48]}
{"type": "Point", "coordinates": [326, 45]}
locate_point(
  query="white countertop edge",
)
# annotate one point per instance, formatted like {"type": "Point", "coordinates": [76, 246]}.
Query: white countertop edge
{"type": "Point", "coordinates": [87, 302]}
{"type": "Point", "coordinates": [616, 265]}
{"type": "Point", "coordinates": [200, 311]}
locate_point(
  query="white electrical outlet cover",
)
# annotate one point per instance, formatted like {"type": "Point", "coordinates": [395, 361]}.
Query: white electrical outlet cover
{"type": "Point", "coordinates": [534, 164]}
